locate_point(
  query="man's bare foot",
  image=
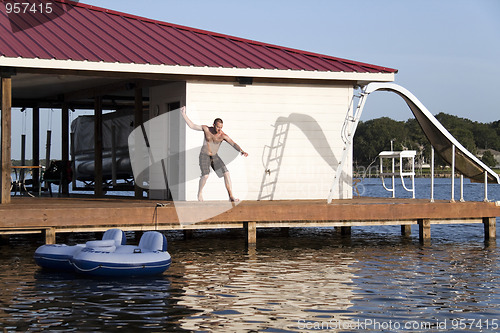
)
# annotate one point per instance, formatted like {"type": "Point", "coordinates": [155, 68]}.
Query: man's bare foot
{"type": "Point", "coordinates": [233, 199]}
{"type": "Point", "coordinates": [200, 197]}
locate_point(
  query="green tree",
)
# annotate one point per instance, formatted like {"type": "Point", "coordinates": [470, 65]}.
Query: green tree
{"type": "Point", "coordinates": [451, 122]}
{"type": "Point", "coordinates": [462, 129]}
{"type": "Point", "coordinates": [465, 137]}
{"type": "Point", "coordinates": [485, 136]}
{"type": "Point", "coordinates": [374, 136]}
{"type": "Point", "coordinates": [419, 141]}
{"type": "Point", "coordinates": [489, 159]}
{"type": "Point", "coordinates": [496, 126]}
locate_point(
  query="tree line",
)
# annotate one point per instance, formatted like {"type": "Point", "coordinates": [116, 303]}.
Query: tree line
{"type": "Point", "coordinates": [374, 136]}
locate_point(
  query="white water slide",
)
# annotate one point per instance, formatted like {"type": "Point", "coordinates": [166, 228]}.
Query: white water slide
{"type": "Point", "coordinates": [443, 142]}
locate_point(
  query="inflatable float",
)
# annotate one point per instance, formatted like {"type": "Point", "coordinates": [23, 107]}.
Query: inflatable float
{"type": "Point", "coordinates": [109, 256]}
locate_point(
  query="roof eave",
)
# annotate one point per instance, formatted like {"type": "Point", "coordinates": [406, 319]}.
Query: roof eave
{"type": "Point", "coordinates": [51, 64]}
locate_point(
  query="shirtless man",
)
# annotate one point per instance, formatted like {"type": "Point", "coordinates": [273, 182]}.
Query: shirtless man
{"type": "Point", "coordinates": [208, 154]}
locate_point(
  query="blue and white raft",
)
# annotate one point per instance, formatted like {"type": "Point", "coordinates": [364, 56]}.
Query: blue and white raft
{"type": "Point", "coordinates": [148, 258]}
{"type": "Point", "coordinates": [58, 256]}
{"type": "Point", "coordinates": [109, 256]}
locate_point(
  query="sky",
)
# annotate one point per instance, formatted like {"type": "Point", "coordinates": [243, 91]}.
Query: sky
{"type": "Point", "coordinates": [447, 52]}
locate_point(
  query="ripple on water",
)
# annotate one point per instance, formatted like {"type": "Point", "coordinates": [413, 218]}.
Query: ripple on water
{"type": "Point", "coordinates": [216, 284]}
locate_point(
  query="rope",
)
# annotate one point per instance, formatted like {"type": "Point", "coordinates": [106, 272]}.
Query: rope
{"type": "Point", "coordinates": [54, 259]}
{"type": "Point", "coordinates": [86, 270]}
{"type": "Point", "coordinates": [155, 217]}
{"type": "Point", "coordinates": [117, 267]}
{"type": "Point", "coordinates": [155, 214]}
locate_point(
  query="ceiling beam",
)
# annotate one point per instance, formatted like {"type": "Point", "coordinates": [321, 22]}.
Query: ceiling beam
{"type": "Point", "coordinates": [108, 104]}
{"type": "Point", "coordinates": [99, 91]}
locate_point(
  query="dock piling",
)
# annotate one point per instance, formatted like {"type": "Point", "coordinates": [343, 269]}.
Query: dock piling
{"type": "Point", "coordinates": [490, 228]}
{"type": "Point", "coordinates": [345, 231]}
{"type": "Point", "coordinates": [188, 233]}
{"type": "Point", "coordinates": [50, 236]}
{"type": "Point", "coordinates": [251, 231]}
{"type": "Point", "coordinates": [424, 233]}
{"type": "Point", "coordinates": [406, 230]}
{"type": "Point", "coordinates": [285, 231]}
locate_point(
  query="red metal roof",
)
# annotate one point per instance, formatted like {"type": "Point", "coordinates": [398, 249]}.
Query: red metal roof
{"type": "Point", "coordinates": [80, 32]}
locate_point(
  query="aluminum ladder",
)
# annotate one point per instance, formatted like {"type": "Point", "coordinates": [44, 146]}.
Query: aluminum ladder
{"type": "Point", "coordinates": [347, 134]}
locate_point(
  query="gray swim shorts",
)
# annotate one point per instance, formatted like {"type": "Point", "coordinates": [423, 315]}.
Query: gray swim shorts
{"type": "Point", "coordinates": [207, 161]}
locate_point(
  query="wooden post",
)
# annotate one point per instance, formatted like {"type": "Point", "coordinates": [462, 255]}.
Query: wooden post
{"type": "Point", "coordinates": [138, 121]}
{"type": "Point", "coordinates": [406, 230]}
{"type": "Point", "coordinates": [251, 231]}
{"type": "Point", "coordinates": [188, 234]}
{"type": "Point", "coordinates": [345, 231]}
{"type": "Point", "coordinates": [98, 192]}
{"type": "Point", "coordinates": [6, 139]}
{"type": "Point", "coordinates": [285, 231]}
{"type": "Point", "coordinates": [50, 236]}
{"type": "Point", "coordinates": [65, 145]}
{"type": "Point", "coordinates": [36, 147]}
{"type": "Point", "coordinates": [490, 228]}
{"type": "Point", "coordinates": [424, 230]}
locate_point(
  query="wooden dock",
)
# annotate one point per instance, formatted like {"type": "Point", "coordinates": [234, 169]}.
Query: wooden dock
{"type": "Point", "coordinates": [61, 215]}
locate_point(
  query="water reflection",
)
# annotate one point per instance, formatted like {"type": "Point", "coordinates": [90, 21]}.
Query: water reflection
{"type": "Point", "coordinates": [315, 276]}
{"type": "Point", "coordinates": [436, 285]}
{"type": "Point", "coordinates": [102, 304]}
{"type": "Point", "coordinates": [253, 290]}
{"type": "Point", "coordinates": [35, 299]}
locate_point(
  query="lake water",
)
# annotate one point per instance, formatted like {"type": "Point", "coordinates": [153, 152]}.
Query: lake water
{"type": "Point", "coordinates": [312, 280]}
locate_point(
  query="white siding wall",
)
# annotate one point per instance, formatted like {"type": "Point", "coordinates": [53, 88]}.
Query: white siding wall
{"type": "Point", "coordinates": [250, 113]}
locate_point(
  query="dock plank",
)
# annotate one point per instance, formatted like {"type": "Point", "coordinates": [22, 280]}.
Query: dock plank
{"type": "Point", "coordinates": [72, 214]}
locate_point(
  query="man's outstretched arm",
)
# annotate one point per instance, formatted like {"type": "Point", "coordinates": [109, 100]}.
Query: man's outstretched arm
{"type": "Point", "coordinates": [235, 145]}
{"type": "Point", "coordinates": [189, 122]}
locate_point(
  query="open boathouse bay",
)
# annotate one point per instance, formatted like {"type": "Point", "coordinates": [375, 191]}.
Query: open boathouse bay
{"type": "Point", "coordinates": [374, 280]}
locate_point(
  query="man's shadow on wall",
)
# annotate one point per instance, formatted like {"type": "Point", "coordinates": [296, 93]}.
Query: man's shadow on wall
{"type": "Point", "coordinates": [275, 151]}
